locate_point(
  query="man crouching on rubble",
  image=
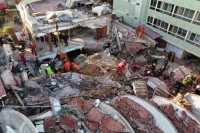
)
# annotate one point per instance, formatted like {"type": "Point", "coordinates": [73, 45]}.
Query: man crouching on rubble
{"type": "Point", "coordinates": [121, 66]}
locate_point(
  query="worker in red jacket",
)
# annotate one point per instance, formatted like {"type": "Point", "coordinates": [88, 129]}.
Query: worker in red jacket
{"type": "Point", "coordinates": [23, 57]}
{"type": "Point", "coordinates": [33, 48]}
{"type": "Point", "coordinates": [121, 66]}
{"type": "Point", "coordinates": [67, 65]}
{"type": "Point", "coordinates": [136, 67]}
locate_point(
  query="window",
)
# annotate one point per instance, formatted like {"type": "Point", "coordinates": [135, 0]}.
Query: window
{"type": "Point", "coordinates": [181, 32]}
{"type": "Point", "coordinates": [197, 39]}
{"type": "Point", "coordinates": [153, 3]}
{"type": "Point", "coordinates": [188, 13]}
{"type": "Point", "coordinates": [149, 19]}
{"type": "Point", "coordinates": [173, 29]}
{"type": "Point", "coordinates": [192, 36]}
{"type": "Point", "coordinates": [197, 16]}
{"type": "Point", "coordinates": [164, 25]}
{"type": "Point", "coordinates": [179, 10]}
{"type": "Point", "coordinates": [168, 7]}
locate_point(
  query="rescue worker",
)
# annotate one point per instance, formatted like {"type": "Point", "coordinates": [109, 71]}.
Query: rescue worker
{"type": "Point", "coordinates": [51, 64]}
{"type": "Point", "coordinates": [186, 80]}
{"type": "Point", "coordinates": [23, 57]}
{"type": "Point", "coordinates": [197, 91]}
{"type": "Point", "coordinates": [49, 71]}
{"type": "Point", "coordinates": [165, 64]}
{"type": "Point", "coordinates": [155, 60]}
{"type": "Point", "coordinates": [28, 73]}
{"type": "Point", "coordinates": [148, 66]}
{"type": "Point", "coordinates": [37, 63]}
{"type": "Point", "coordinates": [188, 58]}
{"type": "Point", "coordinates": [65, 37]}
{"type": "Point", "coordinates": [33, 48]}
{"type": "Point", "coordinates": [5, 38]}
{"type": "Point", "coordinates": [153, 67]}
{"type": "Point", "coordinates": [143, 32]}
{"type": "Point", "coordinates": [55, 40]}
{"type": "Point", "coordinates": [148, 73]}
{"type": "Point", "coordinates": [138, 29]}
{"type": "Point", "coordinates": [67, 65]}
{"type": "Point", "coordinates": [40, 70]}
{"type": "Point", "coordinates": [1, 40]}
{"type": "Point", "coordinates": [75, 67]}
{"type": "Point", "coordinates": [63, 56]}
{"type": "Point", "coordinates": [136, 67]}
{"type": "Point", "coordinates": [121, 66]}
{"type": "Point", "coordinates": [62, 70]}
{"type": "Point", "coordinates": [169, 55]}
{"type": "Point", "coordinates": [22, 45]}
{"type": "Point", "coordinates": [179, 85]}
{"type": "Point", "coordinates": [173, 57]}
{"type": "Point", "coordinates": [56, 70]}
{"type": "Point", "coordinates": [193, 79]}
{"type": "Point", "coordinates": [11, 43]}
{"type": "Point", "coordinates": [156, 73]}
{"type": "Point", "coordinates": [192, 91]}
{"type": "Point", "coordinates": [161, 70]}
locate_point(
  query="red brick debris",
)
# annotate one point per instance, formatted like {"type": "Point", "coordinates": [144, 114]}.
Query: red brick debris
{"type": "Point", "coordinates": [70, 122]}
{"type": "Point", "coordinates": [95, 119]}
{"type": "Point", "coordinates": [49, 123]}
{"type": "Point", "coordinates": [182, 124]}
{"type": "Point", "coordinates": [133, 112]}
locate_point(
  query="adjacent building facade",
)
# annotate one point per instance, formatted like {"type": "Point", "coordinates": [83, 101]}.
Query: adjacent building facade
{"type": "Point", "coordinates": [178, 21]}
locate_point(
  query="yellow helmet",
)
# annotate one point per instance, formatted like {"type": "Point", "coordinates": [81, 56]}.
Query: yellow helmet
{"type": "Point", "coordinates": [154, 64]}
{"type": "Point", "coordinates": [56, 69]}
{"type": "Point", "coordinates": [156, 57]}
{"type": "Point", "coordinates": [195, 75]}
{"type": "Point", "coordinates": [52, 75]}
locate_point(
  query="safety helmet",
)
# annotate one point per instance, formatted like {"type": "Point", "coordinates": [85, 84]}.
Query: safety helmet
{"type": "Point", "coordinates": [148, 65]}
{"type": "Point", "coordinates": [21, 69]}
{"type": "Point", "coordinates": [124, 61]}
{"type": "Point", "coordinates": [52, 75]}
{"type": "Point", "coordinates": [192, 89]}
{"type": "Point", "coordinates": [154, 64]}
{"type": "Point", "coordinates": [156, 69]}
{"type": "Point", "coordinates": [195, 75]}
{"type": "Point", "coordinates": [161, 67]}
{"type": "Point", "coordinates": [189, 76]}
{"type": "Point", "coordinates": [56, 69]}
{"type": "Point", "coordinates": [6, 33]}
{"type": "Point", "coordinates": [198, 86]}
{"type": "Point", "coordinates": [166, 58]}
{"type": "Point", "coordinates": [175, 79]}
{"type": "Point", "coordinates": [156, 57]}
{"type": "Point", "coordinates": [147, 68]}
{"type": "Point", "coordinates": [7, 42]}
{"type": "Point", "coordinates": [148, 72]}
{"type": "Point", "coordinates": [8, 37]}
{"type": "Point", "coordinates": [31, 43]}
{"type": "Point", "coordinates": [20, 46]}
{"type": "Point", "coordinates": [43, 59]}
{"type": "Point", "coordinates": [65, 60]}
{"type": "Point", "coordinates": [20, 39]}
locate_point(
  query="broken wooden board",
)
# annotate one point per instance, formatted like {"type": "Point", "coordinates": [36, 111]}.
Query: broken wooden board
{"type": "Point", "coordinates": [185, 70]}
{"type": "Point", "coordinates": [140, 89]}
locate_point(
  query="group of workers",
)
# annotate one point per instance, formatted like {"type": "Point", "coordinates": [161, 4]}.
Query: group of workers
{"type": "Point", "coordinates": [171, 56]}
{"type": "Point", "coordinates": [138, 29]}
{"type": "Point", "coordinates": [189, 80]}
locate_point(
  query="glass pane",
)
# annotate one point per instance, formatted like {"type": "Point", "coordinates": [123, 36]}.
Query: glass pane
{"type": "Point", "coordinates": [151, 19]}
{"type": "Point", "coordinates": [165, 6]}
{"type": "Point", "coordinates": [159, 4]}
{"type": "Point", "coordinates": [169, 8]}
{"type": "Point", "coordinates": [192, 36]}
{"type": "Point", "coordinates": [191, 14]}
{"type": "Point", "coordinates": [179, 31]}
{"type": "Point", "coordinates": [158, 23]}
{"type": "Point", "coordinates": [198, 17]}
{"type": "Point", "coordinates": [155, 21]}
{"type": "Point", "coordinates": [175, 29]}
{"type": "Point", "coordinates": [166, 25]}
{"type": "Point", "coordinates": [184, 32]}
{"type": "Point", "coordinates": [148, 19]}
{"type": "Point", "coordinates": [197, 39]}
{"type": "Point", "coordinates": [180, 10]}
{"type": "Point", "coordinates": [186, 13]}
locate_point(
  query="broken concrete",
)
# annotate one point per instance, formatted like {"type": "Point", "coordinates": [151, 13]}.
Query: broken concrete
{"type": "Point", "coordinates": [7, 78]}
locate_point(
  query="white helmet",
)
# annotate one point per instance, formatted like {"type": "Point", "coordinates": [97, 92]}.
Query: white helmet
{"type": "Point", "coordinates": [198, 86]}
{"type": "Point", "coordinates": [189, 76]}
{"type": "Point", "coordinates": [20, 46]}
{"type": "Point", "coordinates": [20, 52]}
{"type": "Point", "coordinates": [148, 72]}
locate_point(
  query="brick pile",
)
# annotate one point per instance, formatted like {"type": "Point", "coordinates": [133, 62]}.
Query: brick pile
{"type": "Point", "coordinates": [96, 119]}
{"type": "Point", "coordinates": [136, 115]}
{"type": "Point", "coordinates": [184, 125]}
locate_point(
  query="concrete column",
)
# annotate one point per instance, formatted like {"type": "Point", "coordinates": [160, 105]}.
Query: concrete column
{"type": "Point", "coordinates": [50, 43]}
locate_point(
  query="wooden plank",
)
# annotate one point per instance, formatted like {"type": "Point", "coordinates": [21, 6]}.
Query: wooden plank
{"type": "Point", "coordinates": [13, 35]}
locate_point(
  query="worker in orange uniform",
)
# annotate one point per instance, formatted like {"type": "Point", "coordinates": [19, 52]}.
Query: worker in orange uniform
{"type": "Point", "coordinates": [121, 66]}
{"type": "Point", "coordinates": [75, 68]}
{"type": "Point", "coordinates": [138, 29]}
{"type": "Point", "coordinates": [63, 56]}
{"type": "Point", "coordinates": [143, 32]}
{"type": "Point", "coordinates": [67, 65]}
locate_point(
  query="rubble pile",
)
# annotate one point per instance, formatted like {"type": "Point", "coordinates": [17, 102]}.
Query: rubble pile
{"type": "Point", "coordinates": [183, 124]}
{"type": "Point", "coordinates": [139, 118]}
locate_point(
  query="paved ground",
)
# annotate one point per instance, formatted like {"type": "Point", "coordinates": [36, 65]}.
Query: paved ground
{"type": "Point", "coordinates": [18, 27]}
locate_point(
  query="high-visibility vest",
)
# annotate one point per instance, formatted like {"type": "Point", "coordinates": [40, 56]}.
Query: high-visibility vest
{"type": "Point", "coordinates": [28, 72]}
{"type": "Point", "coordinates": [49, 71]}
{"type": "Point", "coordinates": [40, 71]}
{"type": "Point", "coordinates": [35, 57]}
